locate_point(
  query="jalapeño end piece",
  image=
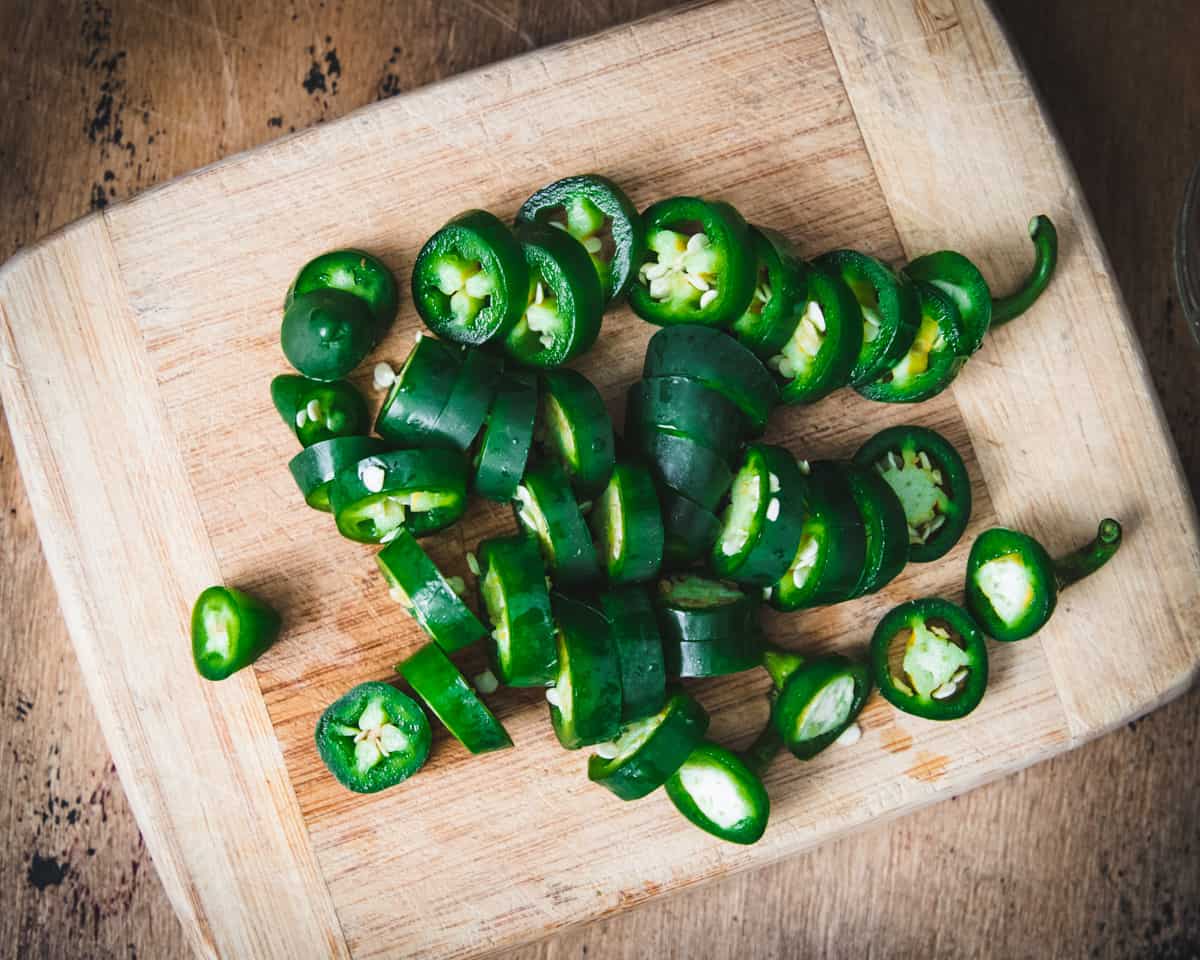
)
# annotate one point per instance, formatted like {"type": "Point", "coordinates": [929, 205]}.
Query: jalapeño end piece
{"type": "Point", "coordinates": [230, 630]}
{"type": "Point", "coordinates": [1045, 251]}
{"type": "Point", "coordinates": [930, 478]}
{"type": "Point", "coordinates": [717, 792]}
{"type": "Point", "coordinates": [470, 280]}
{"type": "Point", "coordinates": [327, 333]}
{"type": "Point", "coordinates": [373, 737]}
{"type": "Point", "coordinates": [930, 659]}
{"type": "Point", "coordinates": [698, 266]}
{"type": "Point", "coordinates": [597, 213]}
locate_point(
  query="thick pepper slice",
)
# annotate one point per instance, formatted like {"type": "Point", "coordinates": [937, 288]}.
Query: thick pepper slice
{"type": "Point", "coordinates": [512, 585]}
{"type": "Point", "coordinates": [503, 448]}
{"type": "Point", "coordinates": [709, 628]}
{"type": "Point", "coordinates": [597, 213]}
{"type": "Point", "coordinates": [545, 506]}
{"type": "Point", "coordinates": [649, 751]}
{"type": "Point", "coordinates": [634, 631]}
{"type": "Point", "coordinates": [316, 410]}
{"type": "Point", "coordinates": [373, 737]}
{"type": "Point", "coordinates": [763, 523]}
{"type": "Point", "coordinates": [327, 333]}
{"type": "Point", "coordinates": [831, 555]}
{"type": "Point", "coordinates": [718, 362]}
{"type": "Point", "coordinates": [409, 414]}
{"type": "Point", "coordinates": [585, 702]}
{"type": "Point", "coordinates": [930, 659]}
{"type": "Point", "coordinates": [716, 791]}
{"type": "Point", "coordinates": [890, 310]}
{"type": "Point", "coordinates": [934, 359]}
{"type": "Point", "coordinates": [684, 465]}
{"type": "Point", "coordinates": [930, 478]}
{"type": "Point", "coordinates": [884, 526]}
{"type": "Point", "coordinates": [564, 303]}
{"type": "Point", "coordinates": [820, 352]}
{"type": "Point", "coordinates": [689, 530]}
{"type": "Point", "coordinates": [627, 525]}
{"type": "Point", "coordinates": [960, 280]}
{"type": "Point", "coordinates": [683, 406]}
{"type": "Point", "coordinates": [577, 428]}
{"type": "Point", "coordinates": [470, 399]}
{"type": "Point", "coordinates": [230, 630]}
{"type": "Point", "coordinates": [470, 280]}
{"type": "Point", "coordinates": [415, 582]}
{"type": "Point", "coordinates": [1013, 583]}
{"type": "Point", "coordinates": [814, 701]}
{"type": "Point", "coordinates": [423, 490]}
{"type": "Point", "coordinates": [698, 266]}
{"type": "Point", "coordinates": [356, 272]}
{"type": "Point", "coordinates": [446, 692]}
{"type": "Point", "coordinates": [780, 294]}
{"type": "Point", "coordinates": [314, 468]}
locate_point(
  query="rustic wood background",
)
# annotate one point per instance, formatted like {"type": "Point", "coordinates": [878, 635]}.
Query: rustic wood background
{"type": "Point", "coordinates": [1095, 853]}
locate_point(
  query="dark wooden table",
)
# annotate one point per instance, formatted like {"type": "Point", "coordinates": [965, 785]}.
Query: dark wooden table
{"type": "Point", "coordinates": [1096, 853]}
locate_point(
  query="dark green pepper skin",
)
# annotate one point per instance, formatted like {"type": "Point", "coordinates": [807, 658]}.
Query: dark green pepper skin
{"type": "Point", "coordinates": [884, 525]}
{"type": "Point", "coordinates": [356, 272]}
{"type": "Point", "coordinates": [892, 298]}
{"type": "Point", "coordinates": [921, 612]}
{"type": "Point", "coordinates": [1046, 576]}
{"type": "Point", "coordinates": [557, 261]}
{"type": "Point", "coordinates": [728, 235]}
{"type": "Point", "coordinates": [327, 333]}
{"type": "Point", "coordinates": [336, 744]}
{"type": "Point", "coordinates": [1045, 248]}
{"type": "Point", "coordinates": [798, 683]}
{"type": "Point", "coordinates": [314, 468]}
{"type": "Point", "coordinates": [952, 496]}
{"type": "Point", "coordinates": [747, 830]}
{"type": "Point", "coordinates": [552, 206]}
{"type": "Point", "coordinates": [343, 409]}
{"type": "Point", "coordinates": [960, 280]}
{"type": "Point", "coordinates": [475, 236]}
{"type": "Point", "coordinates": [780, 294]}
{"type": "Point", "coordinates": [252, 627]}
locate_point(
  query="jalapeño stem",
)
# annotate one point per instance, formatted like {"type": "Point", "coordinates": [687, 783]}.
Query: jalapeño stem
{"type": "Point", "coordinates": [1045, 248]}
{"type": "Point", "coordinates": [1090, 557]}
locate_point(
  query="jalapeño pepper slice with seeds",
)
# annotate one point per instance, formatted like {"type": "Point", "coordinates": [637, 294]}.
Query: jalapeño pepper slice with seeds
{"type": "Point", "coordinates": [824, 343]}
{"type": "Point", "coordinates": [418, 395]}
{"type": "Point", "coordinates": [814, 701]}
{"type": "Point", "coordinates": [890, 310]}
{"type": "Point", "coordinates": [470, 280]}
{"type": "Point", "coordinates": [762, 524]}
{"type": "Point", "coordinates": [717, 792]}
{"type": "Point", "coordinates": [585, 702]}
{"type": "Point", "coordinates": [578, 429]}
{"type": "Point", "coordinates": [596, 212]}
{"type": "Point", "coordinates": [446, 692]}
{"type": "Point", "coordinates": [503, 448]}
{"type": "Point", "coordinates": [415, 582]}
{"type": "Point", "coordinates": [316, 410]}
{"type": "Point", "coordinates": [423, 490]}
{"type": "Point", "coordinates": [545, 506]}
{"type": "Point", "coordinates": [627, 525]}
{"type": "Point", "coordinates": [356, 272]}
{"type": "Point", "coordinates": [832, 552]}
{"type": "Point", "coordinates": [714, 360]}
{"type": "Point", "coordinates": [1013, 583]}
{"type": "Point", "coordinates": [373, 737]}
{"type": "Point", "coordinates": [960, 280]}
{"type": "Point", "coordinates": [564, 303]}
{"type": "Point", "coordinates": [230, 630]}
{"type": "Point", "coordinates": [780, 294]}
{"type": "Point", "coordinates": [512, 585]}
{"type": "Point", "coordinates": [930, 659]}
{"type": "Point", "coordinates": [884, 525]}
{"type": "Point", "coordinates": [930, 479]}
{"type": "Point", "coordinates": [698, 267]}
{"type": "Point", "coordinates": [314, 468]}
{"type": "Point", "coordinates": [326, 333]}
{"type": "Point", "coordinates": [649, 751]}
{"type": "Point", "coordinates": [933, 360]}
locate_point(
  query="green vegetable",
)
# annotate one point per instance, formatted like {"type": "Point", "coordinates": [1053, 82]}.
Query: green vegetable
{"type": "Point", "coordinates": [649, 751]}
{"type": "Point", "coordinates": [709, 628]}
{"type": "Point", "coordinates": [634, 632]}
{"type": "Point", "coordinates": [545, 506]}
{"type": "Point", "coordinates": [327, 333]}
{"type": "Point", "coordinates": [503, 448]}
{"type": "Point", "coordinates": [684, 407]}
{"type": "Point", "coordinates": [230, 630]}
{"type": "Point", "coordinates": [578, 429]}
{"type": "Point", "coordinates": [1013, 583]}
{"type": "Point", "coordinates": [684, 465]}
{"type": "Point", "coordinates": [446, 692]}
{"type": "Point", "coordinates": [585, 702]}
{"type": "Point", "coordinates": [512, 584]}
{"type": "Point", "coordinates": [1045, 248]}
{"type": "Point", "coordinates": [689, 530]}
{"type": "Point", "coordinates": [410, 411]}
{"type": "Point", "coordinates": [627, 526]}
{"type": "Point", "coordinates": [884, 526]}
{"type": "Point", "coordinates": [814, 701]}
{"type": "Point", "coordinates": [355, 272]}
{"type": "Point", "coordinates": [316, 411]}
{"type": "Point", "coordinates": [373, 737]}
{"type": "Point", "coordinates": [314, 468]}
{"type": "Point", "coordinates": [780, 294]}
{"type": "Point", "coordinates": [415, 582]}
{"type": "Point", "coordinates": [423, 490]}
{"type": "Point", "coordinates": [716, 791]}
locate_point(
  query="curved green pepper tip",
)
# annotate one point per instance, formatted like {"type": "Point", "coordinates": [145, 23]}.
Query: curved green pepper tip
{"type": "Point", "coordinates": [1091, 556]}
{"type": "Point", "coordinates": [1045, 245]}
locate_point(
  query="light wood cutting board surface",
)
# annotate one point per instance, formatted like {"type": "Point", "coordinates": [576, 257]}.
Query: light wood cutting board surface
{"type": "Point", "coordinates": [138, 346]}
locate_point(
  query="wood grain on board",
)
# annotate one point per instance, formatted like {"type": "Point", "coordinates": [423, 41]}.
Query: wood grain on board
{"type": "Point", "coordinates": [803, 169]}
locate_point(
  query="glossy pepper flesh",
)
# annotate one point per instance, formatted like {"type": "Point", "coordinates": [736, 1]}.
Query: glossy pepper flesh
{"type": "Point", "coordinates": [230, 630]}
{"type": "Point", "coordinates": [373, 737]}
{"type": "Point", "coordinates": [316, 410]}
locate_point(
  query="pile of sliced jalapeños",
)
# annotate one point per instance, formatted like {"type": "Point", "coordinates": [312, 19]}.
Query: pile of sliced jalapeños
{"type": "Point", "coordinates": [642, 559]}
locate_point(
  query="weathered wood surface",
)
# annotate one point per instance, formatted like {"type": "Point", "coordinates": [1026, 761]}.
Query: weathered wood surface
{"type": "Point", "coordinates": [663, 924]}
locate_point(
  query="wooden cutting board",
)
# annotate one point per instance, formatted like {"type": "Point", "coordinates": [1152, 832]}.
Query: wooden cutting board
{"type": "Point", "coordinates": [137, 346]}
